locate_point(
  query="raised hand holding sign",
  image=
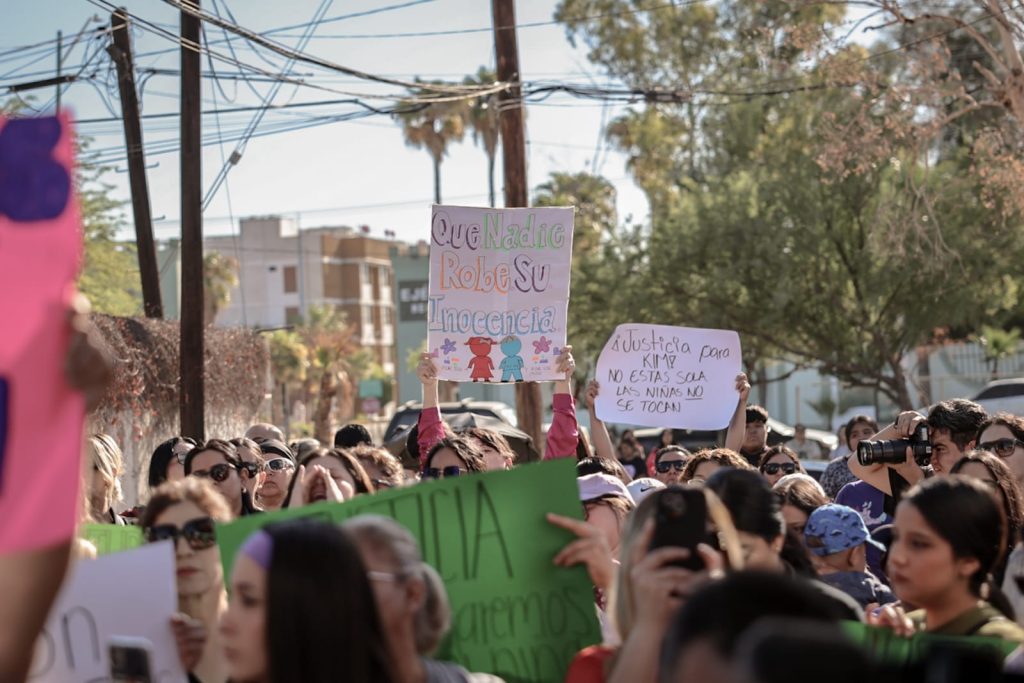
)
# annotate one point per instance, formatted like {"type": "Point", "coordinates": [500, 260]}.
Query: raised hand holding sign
{"type": "Point", "coordinates": [40, 251]}
{"type": "Point", "coordinates": [662, 376]}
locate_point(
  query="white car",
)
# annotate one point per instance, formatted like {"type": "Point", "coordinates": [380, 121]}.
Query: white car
{"type": "Point", "coordinates": [1002, 396]}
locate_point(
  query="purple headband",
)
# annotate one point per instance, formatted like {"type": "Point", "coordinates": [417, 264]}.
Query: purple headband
{"type": "Point", "coordinates": [259, 548]}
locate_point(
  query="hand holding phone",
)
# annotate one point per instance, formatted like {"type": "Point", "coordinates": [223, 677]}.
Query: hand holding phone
{"type": "Point", "coordinates": [681, 520]}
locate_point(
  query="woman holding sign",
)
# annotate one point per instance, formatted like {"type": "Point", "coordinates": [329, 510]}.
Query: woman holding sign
{"type": "Point", "coordinates": [185, 512]}
{"type": "Point", "coordinates": [562, 436]}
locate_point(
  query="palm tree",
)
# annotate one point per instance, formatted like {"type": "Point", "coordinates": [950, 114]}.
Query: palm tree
{"type": "Point", "coordinates": [334, 362]}
{"type": "Point", "coordinates": [998, 344]}
{"type": "Point", "coordinates": [483, 120]}
{"type": "Point", "coordinates": [220, 276]}
{"type": "Point", "coordinates": [594, 199]}
{"type": "Point", "coordinates": [433, 127]}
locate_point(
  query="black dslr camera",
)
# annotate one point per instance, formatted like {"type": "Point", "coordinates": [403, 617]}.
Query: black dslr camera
{"type": "Point", "coordinates": [895, 451]}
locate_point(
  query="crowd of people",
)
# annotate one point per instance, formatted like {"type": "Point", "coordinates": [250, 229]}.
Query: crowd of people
{"type": "Point", "coordinates": [919, 545]}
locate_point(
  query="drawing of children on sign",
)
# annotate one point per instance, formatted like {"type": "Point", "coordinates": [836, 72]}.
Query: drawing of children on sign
{"type": "Point", "coordinates": [481, 363]}
{"type": "Point", "coordinates": [512, 363]}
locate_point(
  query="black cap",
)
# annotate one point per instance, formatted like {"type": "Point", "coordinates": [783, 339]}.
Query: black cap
{"type": "Point", "coordinates": [275, 447]}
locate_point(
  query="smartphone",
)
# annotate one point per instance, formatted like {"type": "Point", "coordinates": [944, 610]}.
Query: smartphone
{"type": "Point", "coordinates": [130, 660]}
{"type": "Point", "coordinates": [681, 520]}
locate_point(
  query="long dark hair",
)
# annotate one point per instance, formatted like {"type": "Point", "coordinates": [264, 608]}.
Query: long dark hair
{"type": "Point", "coordinates": [229, 452]}
{"type": "Point", "coordinates": [964, 513]}
{"type": "Point", "coordinates": [162, 457]}
{"type": "Point", "coordinates": [1013, 500]}
{"type": "Point", "coordinates": [316, 635]}
{"type": "Point", "coordinates": [756, 509]}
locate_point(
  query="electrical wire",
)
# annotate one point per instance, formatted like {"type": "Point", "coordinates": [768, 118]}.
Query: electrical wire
{"type": "Point", "coordinates": [236, 155]}
{"type": "Point", "coordinates": [297, 55]}
{"type": "Point", "coordinates": [405, 97]}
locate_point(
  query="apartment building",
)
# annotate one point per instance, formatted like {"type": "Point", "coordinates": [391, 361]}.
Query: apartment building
{"type": "Point", "coordinates": [283, 271]}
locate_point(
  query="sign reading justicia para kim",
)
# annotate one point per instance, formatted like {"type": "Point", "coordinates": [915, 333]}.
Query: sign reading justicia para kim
{"type": "Point", "coordinates": [499, 292]}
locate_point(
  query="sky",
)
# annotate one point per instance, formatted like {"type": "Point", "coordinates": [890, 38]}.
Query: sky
{"type": "Point", "coordinates": [357, 172]}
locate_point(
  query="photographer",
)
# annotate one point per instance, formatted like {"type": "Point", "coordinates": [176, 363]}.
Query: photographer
{"type": "Point", "coordinates": [952, 430]}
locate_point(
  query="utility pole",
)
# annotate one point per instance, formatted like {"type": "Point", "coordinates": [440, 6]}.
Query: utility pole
{"type": "Point", "coordinates": [513, 155]}
{"type": "Point", "coordinates": [191, 345]}
{"type": "Point", "coordinates": [121, 52]}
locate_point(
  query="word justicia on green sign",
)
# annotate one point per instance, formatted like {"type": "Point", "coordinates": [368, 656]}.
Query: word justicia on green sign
{"type": "Point", "coordinates": [514, 614]}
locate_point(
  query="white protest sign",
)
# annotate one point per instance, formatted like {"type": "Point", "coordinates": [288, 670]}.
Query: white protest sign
{"type": "Point", "coordinates": [674, 377]}
{"type": "Point", "coordinates": [128, 594]}
{"type": "Point", "coordinates": [499, 292]}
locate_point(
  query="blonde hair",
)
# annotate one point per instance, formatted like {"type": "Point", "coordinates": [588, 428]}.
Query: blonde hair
{"type": "Point", "coordinates": [622, 602]}
{"type": "Point", "coordinates": [106, 457]}
{"type": "Point", "coordinates": [433, 619]}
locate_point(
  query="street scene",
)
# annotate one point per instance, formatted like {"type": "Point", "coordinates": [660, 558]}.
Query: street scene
{"type": "Point", "coordinates": [418, 341]}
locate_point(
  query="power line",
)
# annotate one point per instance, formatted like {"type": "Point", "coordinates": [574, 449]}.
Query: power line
{"type": "Point", "coordinates": [330, 20]}
{"type": "Point", "coordinates": [284, 51]}
{"type": "Point", "coordinates": [236, 155]}
{"type": "Point", "coordinates": [153, 28]}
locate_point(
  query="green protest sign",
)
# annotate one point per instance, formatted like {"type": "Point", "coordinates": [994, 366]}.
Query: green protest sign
{"type": "Point", "coordinates": [111, 538]}
{"type": "Point", "coordinates": [889, 648]}
{"type": "Point", "coordinates": [514, 614]}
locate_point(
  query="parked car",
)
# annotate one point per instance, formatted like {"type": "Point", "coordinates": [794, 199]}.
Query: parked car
{"type": "Point", "coordinates": [815, 468]}
{"type": "Point", "coordinates": [695, 440]}
{"type": "Point", "coordinates": [464, 414]}
{"type": "Point", "coordinates": [1002, 396]}
{"type": "Point", "coordinates": [409, 412]}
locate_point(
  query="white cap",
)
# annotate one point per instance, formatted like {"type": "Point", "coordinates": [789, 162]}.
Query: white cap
{"type": "Point", "coordinates": [642, 487]}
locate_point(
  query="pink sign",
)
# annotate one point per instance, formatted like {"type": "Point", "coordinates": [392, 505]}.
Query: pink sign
{"type": "Point", "coordinates": [41, 417]}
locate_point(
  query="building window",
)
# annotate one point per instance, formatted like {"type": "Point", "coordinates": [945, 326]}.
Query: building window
{"type": "Point", "coordinates": [292, 316]}
{"type": "Point", "coordinates": [290, 280]}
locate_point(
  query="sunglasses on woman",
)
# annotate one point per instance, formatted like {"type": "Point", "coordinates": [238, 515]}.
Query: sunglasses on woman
{"type": "Point", "coordinates": [774, 467]}
{"type": "Point", "coordinates": [442, 473]}
{"type": "Point", "coordinates": [278, 464]}
{"type": "Point", "coordinates": [664, 467]}
{"type": "Point", "coordinates": [1004, 448]}
{"type": "Point", "coordinates": [251, 469]}
{"type": "Point", "coordinates": [218, 473]}
{"type": "Point", "coordinates": [199, 533]}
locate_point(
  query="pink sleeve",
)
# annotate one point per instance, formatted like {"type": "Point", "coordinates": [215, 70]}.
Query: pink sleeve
{"type": "Point", "coordinates": [431, 430]}
{"type": "Point", "coordinates": [563, 433]}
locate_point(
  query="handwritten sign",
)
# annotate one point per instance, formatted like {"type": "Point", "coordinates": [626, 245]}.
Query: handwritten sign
{"type": "Point", "coordinates": [40, 251]}
{"type": "Point", "coordinates": [112, 538]}
{"type": "Point", "coordinates": [499, 292]}
{"type": "Point", "coordinates": [514, 614]}
{"type": "Point", "coordinates": [126, 594]}
{"type": "Point", "coordinates": [662, 376]}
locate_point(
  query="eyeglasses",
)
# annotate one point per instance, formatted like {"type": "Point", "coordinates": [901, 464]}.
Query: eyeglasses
{"type": "Point", "coordinates": [278, 464]}
{"type": "Point", "coordinates": [774, 467]}
{"type": "Point", "coordinates": [218, 473]}
{"type": "Point", "coordinates": [677, 465]}
{"type": "Point", "coordinates": [443, 473]}
{"type": "Point", "coordinates": [1004, 448]}
{"type": "Point", "coordinates": [251, 469]}
{"type": "Point", "coordinates": [199, 533]}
